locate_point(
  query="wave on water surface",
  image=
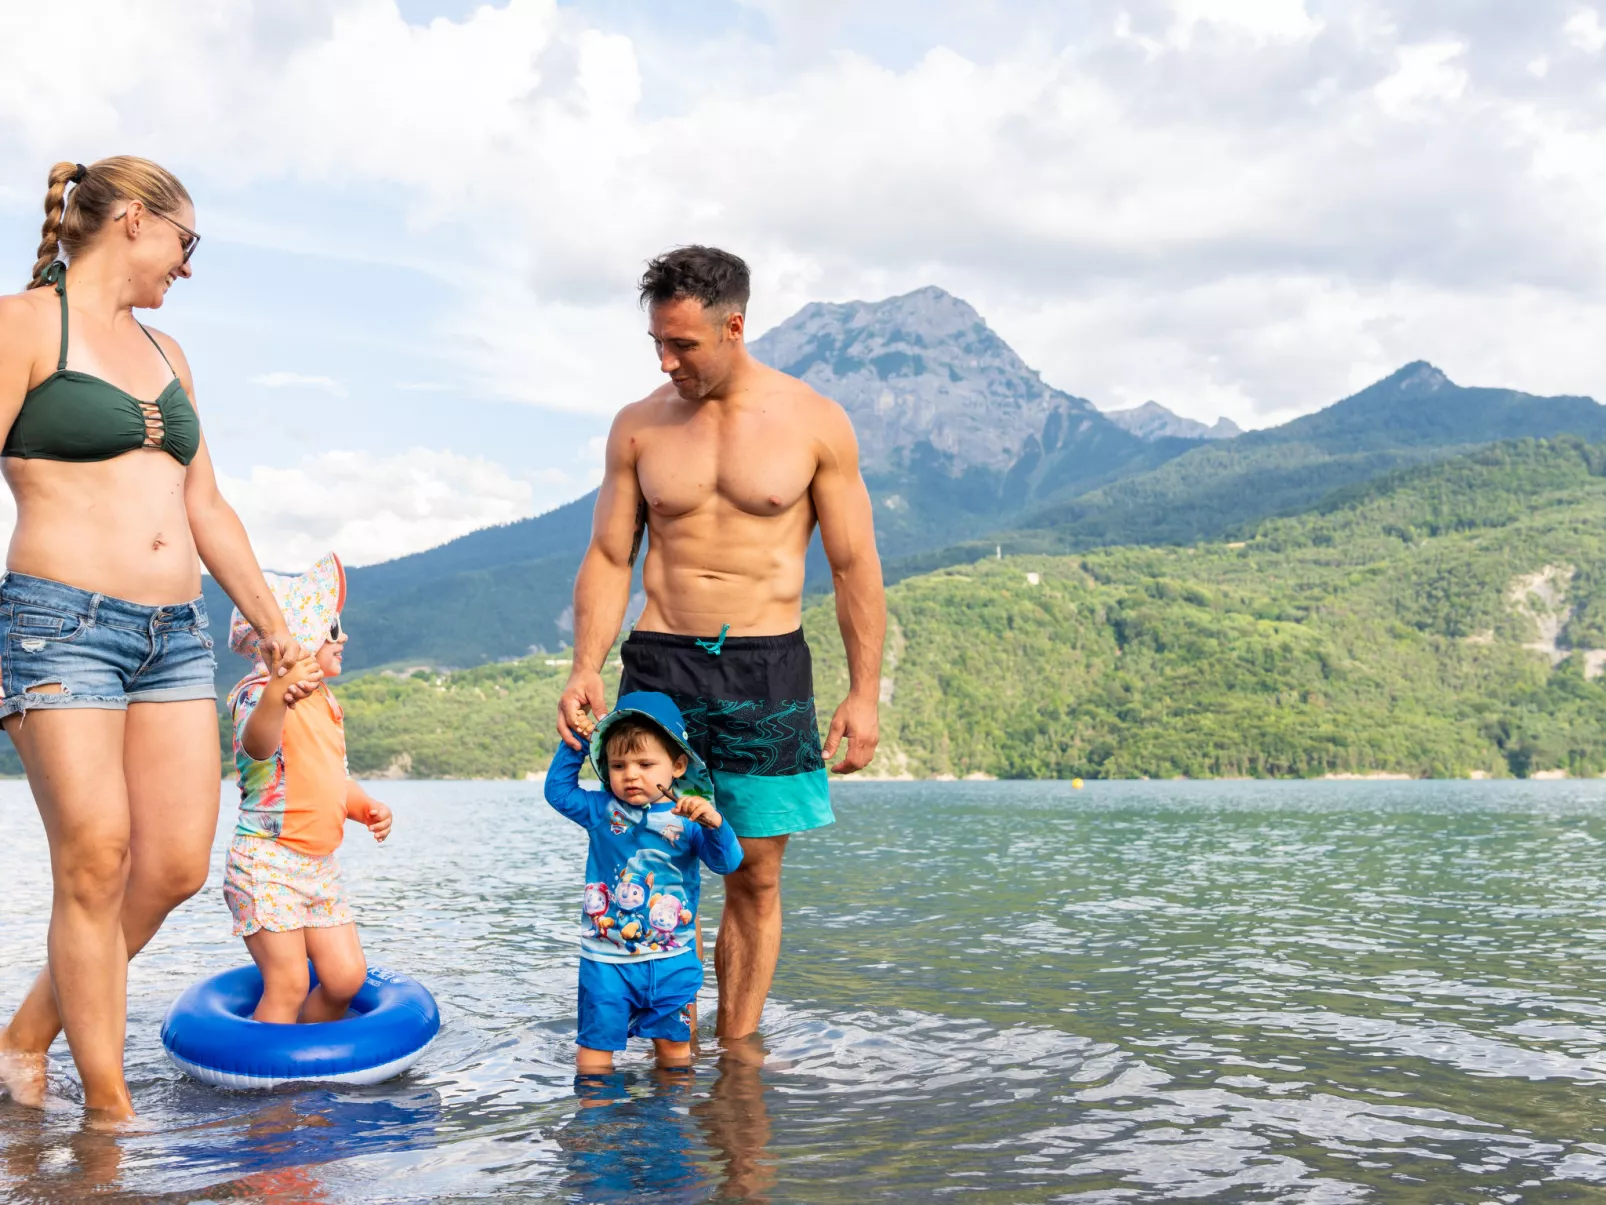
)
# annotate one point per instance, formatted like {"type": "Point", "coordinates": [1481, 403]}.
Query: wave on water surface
{"type": "Point", "coordinates": [1137, 992]}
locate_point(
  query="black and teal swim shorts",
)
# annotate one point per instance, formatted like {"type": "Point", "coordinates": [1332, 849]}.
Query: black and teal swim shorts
{"type": "Point", "coordinates": [748, 702]}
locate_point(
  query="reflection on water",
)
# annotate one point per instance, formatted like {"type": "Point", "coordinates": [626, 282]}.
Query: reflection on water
{"type": "Point", "coordinates": [1325, 992]}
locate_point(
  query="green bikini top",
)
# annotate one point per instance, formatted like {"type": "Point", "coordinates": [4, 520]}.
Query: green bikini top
{"type": "Point", "coordinates": [76, 416]}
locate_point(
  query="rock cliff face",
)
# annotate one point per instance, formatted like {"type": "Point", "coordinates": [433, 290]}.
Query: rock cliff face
{"type": "Point", "coordinates": [923, 368]}
{"type": "Point", "coordinates": [1153, 421]}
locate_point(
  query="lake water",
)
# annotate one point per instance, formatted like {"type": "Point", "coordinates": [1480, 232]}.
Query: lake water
{"type": "Point", "coordinates": [1011, 992]}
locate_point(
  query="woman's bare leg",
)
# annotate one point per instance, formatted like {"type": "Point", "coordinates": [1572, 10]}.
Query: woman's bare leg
{"type": "Point", "coordinates": [170, 762]}
{"type": "Point", "coordinates": [170, 766]}
{"type": "Point", "coordinates": [74, 760]}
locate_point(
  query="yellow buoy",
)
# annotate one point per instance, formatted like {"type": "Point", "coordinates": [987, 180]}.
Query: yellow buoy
{"type": "Point", "coordinates": [1077, 783]}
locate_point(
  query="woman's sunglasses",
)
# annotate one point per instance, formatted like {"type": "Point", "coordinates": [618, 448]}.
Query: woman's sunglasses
{"type": "Point", "coordinates": [188, 239]}
{"type": "Point", "coordinates": [335, 630]}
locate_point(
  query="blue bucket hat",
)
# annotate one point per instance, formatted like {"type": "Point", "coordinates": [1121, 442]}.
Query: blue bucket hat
{"type": "Point", "coordinates": [658, 709]}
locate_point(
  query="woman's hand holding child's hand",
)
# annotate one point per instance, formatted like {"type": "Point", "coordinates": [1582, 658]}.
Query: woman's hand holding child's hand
{"type": "Point", "coordinates": [697, 808]}
{"type": "Point", "coordinates": [378, 819]}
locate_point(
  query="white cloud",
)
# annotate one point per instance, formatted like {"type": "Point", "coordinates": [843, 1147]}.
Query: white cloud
{"type": "Point", "coordinates": [1425, 74]}
{"type": "Point", "coordinates": [1585, 31]}
{"type": "Point", "coordinates": [295, 380]}
{"type": "Point", "coordinates": [367, 508]}
{"type": "Point", "coordinates": [1259, 20]}
{"type": "Point", "coordinates": [1236, 196]}
{"type": "Point", "coordinates": [370, 508]}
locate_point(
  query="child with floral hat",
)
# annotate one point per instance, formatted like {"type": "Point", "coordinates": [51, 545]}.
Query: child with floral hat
{"type": "Point", "coordinates": [282, 882]}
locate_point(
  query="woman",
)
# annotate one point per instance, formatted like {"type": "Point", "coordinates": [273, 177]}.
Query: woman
{"type": "Point", "coordinates": [106, 664]}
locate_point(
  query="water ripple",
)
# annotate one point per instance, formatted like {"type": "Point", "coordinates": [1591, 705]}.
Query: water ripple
{"type": "Point", "coordinates": [1356, 992]}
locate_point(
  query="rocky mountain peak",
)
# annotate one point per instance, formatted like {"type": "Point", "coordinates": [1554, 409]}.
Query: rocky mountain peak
{"type": "Point", "coordinates": [1416, 377]}
{"type": "Point", "coordinates": [1154, 421]}
{"type": "Point", "coordinates": [923, 367]}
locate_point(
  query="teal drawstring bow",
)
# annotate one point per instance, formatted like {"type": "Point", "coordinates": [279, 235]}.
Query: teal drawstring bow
{"type": "Point", "coordinates": [713, 647]}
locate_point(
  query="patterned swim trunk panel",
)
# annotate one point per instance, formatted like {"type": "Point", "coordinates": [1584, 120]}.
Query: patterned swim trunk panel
{"type": "Point", "coordinates": [268, 885]}
{"type": "Point", "coordinates": [749, 710]}
{"type": "Point", "coordinates": [755, 736]}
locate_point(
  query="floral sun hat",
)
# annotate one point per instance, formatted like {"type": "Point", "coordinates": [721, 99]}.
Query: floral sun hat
{"type": "Point", "coordinates": [310, 601]}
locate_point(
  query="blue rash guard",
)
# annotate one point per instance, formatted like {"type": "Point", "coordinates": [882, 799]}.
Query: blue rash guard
{"type": "Point", "coordinates": [642, 873]}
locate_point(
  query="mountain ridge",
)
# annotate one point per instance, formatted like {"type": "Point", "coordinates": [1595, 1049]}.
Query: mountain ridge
{"type": "Point", "coordinates": [1152, 420]}
{"type": "Point", "coordinates": [1080, 481]}
{"type": "Point", "coordinates": [1444, 621]}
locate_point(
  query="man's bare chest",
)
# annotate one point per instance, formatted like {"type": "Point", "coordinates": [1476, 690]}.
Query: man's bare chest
{"type": "Point", "coordinates": [761, 470]}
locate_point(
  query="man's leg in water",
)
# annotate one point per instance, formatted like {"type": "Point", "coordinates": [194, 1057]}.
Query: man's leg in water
{"type": "Point", "coordinates": [749, 941]}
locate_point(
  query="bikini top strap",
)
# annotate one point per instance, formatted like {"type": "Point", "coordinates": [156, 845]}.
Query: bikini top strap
{"type": "Point", "coordinates": [56, 275]}
{"type": "Point", "coordinates": [159, 350]}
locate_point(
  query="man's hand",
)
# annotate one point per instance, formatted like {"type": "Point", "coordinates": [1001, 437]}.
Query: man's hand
{"type": "Point", "coordinates": [695, 807]}
{"type": "Point", "coordinates": [378, 819]}
{"type": "Point", "coordinates": [860, 721]}
{"type": "Point", "coordinates": [583, 693]}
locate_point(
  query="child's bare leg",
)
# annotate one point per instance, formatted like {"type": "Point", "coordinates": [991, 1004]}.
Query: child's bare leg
{"type": "Point", "coordinates": [282, 959]}
{"type": "Point", "coordinates": [337, 957]}
{"type": "Point", "coordinates": [672, 1054]}
{"type": "Point", "coordinates": [592, 1062]}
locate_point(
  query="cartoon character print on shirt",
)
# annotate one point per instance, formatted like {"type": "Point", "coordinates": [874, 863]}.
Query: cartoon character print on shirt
{"type": "Point", "coordinates": [665, 914]}
{"type": "Point", "coordinates": [667, 825]}
{"type": "Point", "coordinates": [620, 819]}
{"type": "Point", "coordinates": [629, 894]}
{"type": "Point", "coordinates": [594, 907]}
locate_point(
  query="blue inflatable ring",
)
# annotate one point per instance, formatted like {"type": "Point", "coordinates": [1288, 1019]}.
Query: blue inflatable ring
{"type": "Point", "coordinates": [210, 1036]}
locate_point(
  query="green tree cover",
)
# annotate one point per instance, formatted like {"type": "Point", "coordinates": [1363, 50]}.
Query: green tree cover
{"type": "Point", "coordinates": [495, 721]}
{"type": "Point", "coordinates": [1373, 635]}
{"type": "Point", "coordinates": [1378, 632]}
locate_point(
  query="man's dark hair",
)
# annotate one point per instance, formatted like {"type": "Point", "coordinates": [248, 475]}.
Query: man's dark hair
{"type": "Point", "coordinates": [716, 278]}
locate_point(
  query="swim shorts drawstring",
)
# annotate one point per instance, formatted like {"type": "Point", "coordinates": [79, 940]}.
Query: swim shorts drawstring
{"type": "Point", "coordinates": [713, 647]}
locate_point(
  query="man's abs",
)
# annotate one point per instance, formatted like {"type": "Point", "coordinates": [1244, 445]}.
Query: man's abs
{"type": "Point", "coordinates": [703, 572]}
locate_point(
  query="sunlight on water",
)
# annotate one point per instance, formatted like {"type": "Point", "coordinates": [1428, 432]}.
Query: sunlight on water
{"type": "Point", "coordinates": [1323, 992]}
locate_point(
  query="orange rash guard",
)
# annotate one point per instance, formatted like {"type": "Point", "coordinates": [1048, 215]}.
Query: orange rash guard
{"type": "Point", "coordinates": [299, 795]}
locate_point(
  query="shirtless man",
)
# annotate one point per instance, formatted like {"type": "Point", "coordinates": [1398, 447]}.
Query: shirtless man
{"type": "Point", "coordinates": [729, 467]}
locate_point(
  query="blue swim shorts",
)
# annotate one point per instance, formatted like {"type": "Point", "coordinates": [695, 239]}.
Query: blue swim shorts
{"type": "Point", "coordinates": [748, 702]}
{"type": "Point", "coordinates": [103, 652]}
{"type": "Point", "coordinates": [645, 999]}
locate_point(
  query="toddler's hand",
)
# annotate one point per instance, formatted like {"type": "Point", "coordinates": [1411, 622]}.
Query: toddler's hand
{"type": "Point", "coordinates": [378, 820]}
{"type": "Point", "coordinates": [583, 725]}
{"type": "Point", "coordinates": [305, 673]}
{"type": "Point", "coordinates": [695, 807]}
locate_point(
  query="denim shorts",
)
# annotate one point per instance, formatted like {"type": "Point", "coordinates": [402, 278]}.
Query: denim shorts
{"type": "Point", "coordinates": [103, 652]}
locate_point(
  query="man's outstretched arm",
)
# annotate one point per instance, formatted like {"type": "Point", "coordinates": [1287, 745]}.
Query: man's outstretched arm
{"type": "Point", "coordinates": [847, 529]}
{"type": "Point", "coordinates": [602, 587]}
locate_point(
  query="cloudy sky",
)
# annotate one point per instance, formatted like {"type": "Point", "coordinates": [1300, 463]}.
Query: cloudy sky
{"type": "Point", "coordinates": [413, 312]}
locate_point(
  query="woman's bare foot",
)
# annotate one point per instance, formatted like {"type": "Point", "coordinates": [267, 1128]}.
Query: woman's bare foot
{"type": "Point", "coordinates": [117, 1120]}
{"type": "Point", "coordinates": [22, 1075]}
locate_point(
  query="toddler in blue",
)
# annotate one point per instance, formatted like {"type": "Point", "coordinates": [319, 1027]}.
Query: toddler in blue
{"type": "Point", "coordinates": [648, 827]}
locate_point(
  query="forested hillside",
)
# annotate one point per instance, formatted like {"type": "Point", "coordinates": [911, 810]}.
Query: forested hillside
{"type": "Point", "coordinates": [1441, 621]}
